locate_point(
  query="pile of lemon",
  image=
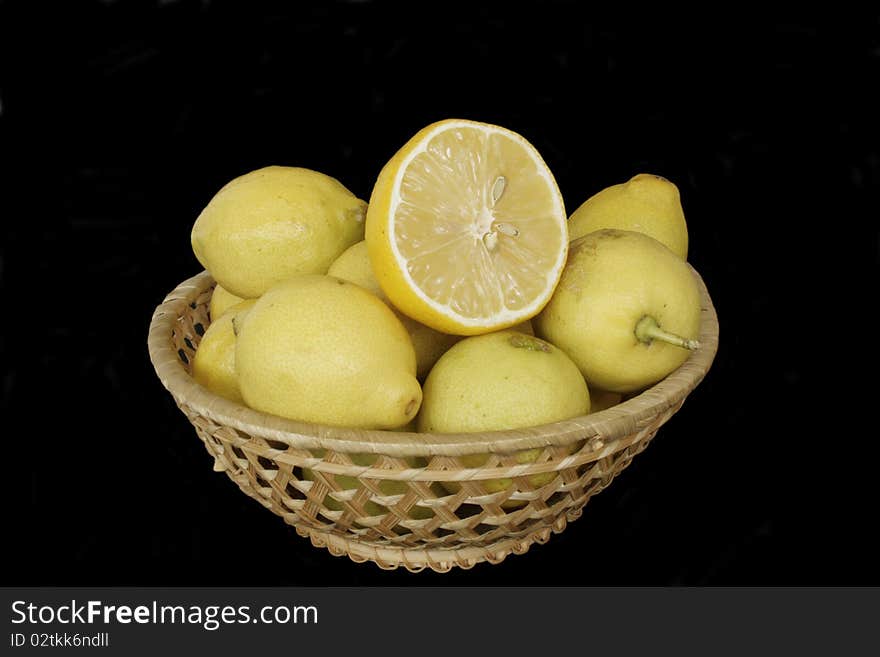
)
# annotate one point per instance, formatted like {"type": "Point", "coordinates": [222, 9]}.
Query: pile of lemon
{"type": "Point", "coordinates": [462, 298]}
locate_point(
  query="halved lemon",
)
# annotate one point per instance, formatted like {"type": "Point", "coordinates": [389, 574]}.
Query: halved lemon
{"type": "Point", "coordinates": [466, 228]}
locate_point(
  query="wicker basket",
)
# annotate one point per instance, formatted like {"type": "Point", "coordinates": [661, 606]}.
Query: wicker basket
{"type": "Point", "coordinates": [420, 524]}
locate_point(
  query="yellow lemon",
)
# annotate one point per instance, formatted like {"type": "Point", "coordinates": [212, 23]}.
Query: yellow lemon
{"type": "Point", "coordinates": [214, 363]}
{"type": "Point", "coordinates": [627, 310]}
{"type": "Point", "coordinates": [273, 223]}
{"type": "Point", "coordinates": [525, 327]}
{"type": "Point", "coordinates": [502, 380]}
{"type": "Point", "coordinates": [466, 228]}
{"type": "Point", "coordinates": [646, 204]}
{"type": "Point", "coordinates": [319, 349]}
{"type": "Point", "coordinates": [221, 301]}
{"type": "Point", "coordinates": [354, 265]}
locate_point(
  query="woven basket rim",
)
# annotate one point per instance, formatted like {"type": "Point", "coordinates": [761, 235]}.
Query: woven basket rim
{"type": "Point", "coordinates": [607, 425]}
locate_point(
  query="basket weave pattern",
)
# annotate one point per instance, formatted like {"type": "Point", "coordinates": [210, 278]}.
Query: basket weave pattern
{"type": "Point", "coordinates": [423, 524]}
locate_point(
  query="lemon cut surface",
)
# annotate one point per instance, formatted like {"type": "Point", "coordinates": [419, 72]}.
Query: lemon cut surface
{"type": "Point", "coordinates": [466, 228]}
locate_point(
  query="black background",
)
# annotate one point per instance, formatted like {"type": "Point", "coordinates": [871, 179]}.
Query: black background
{"type": "Point", "coordinates": [119, 121]}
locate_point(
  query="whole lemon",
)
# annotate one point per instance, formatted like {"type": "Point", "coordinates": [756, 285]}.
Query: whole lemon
{"type": "Point", "coordinates": [214, 363]}
{"type": "Point", "coordinates": [273, 223]}
{"type": "Point", "coordinates": [646, 204]}
{"type": "Point", "coordinates": [627, 310]}
{"type": "Point", "coordinates": [354, 265]}
{"type": "Point", "coordinates": [501, 380]}
{"type": "Point", "coordinates": [221, 301]}
{"type": "Point", "coordinates": [319, 349]}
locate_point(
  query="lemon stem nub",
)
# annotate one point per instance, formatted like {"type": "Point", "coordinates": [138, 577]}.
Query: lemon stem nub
{"type": "Point", "coordinates": [648, 329]}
